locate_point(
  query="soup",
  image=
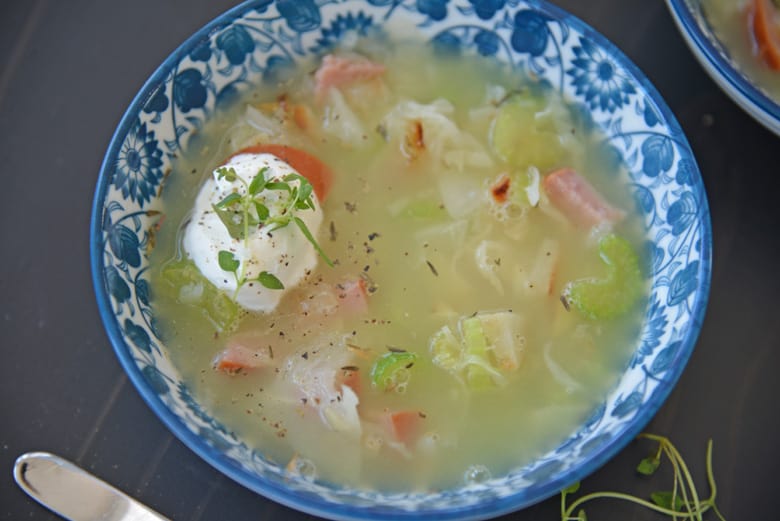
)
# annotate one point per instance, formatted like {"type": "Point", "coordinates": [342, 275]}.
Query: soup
{"type": "Point", "coordinates": [750, 30]}
{"type": "Point", "coordinates": [449, 289]}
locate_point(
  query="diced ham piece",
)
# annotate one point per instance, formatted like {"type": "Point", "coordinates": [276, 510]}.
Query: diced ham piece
{"type": "Point", "coordinates": [576, 198]}
{"type": "Point", "coordinates": [338, 71]}
{"type": "Point", "coordinates": [253, 349]}
{"type": "Point", "coordinates": [322, 301]}
{"type": "Point", "coordinates": [353, 296]}
{"type": "Point", "coordinates": [349, 297]}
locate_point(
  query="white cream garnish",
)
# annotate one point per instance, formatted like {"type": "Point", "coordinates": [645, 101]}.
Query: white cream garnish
{"type": "Point", "coordinates": [285, 252]}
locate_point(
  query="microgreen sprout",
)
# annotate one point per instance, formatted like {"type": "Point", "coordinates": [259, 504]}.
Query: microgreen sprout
{"type": "Point", "coordinates": [242, 213]}
{"type": "Point", "coordinates": [680, 503]}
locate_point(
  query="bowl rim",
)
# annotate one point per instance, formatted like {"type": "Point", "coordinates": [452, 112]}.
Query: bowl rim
{"type": "Point", "coordinates": [731, 80]}
{"type": "Point", "coordinates": [319, 506]}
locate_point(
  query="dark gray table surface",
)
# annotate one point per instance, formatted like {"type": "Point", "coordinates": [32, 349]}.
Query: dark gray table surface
{"type": "Point", "coordinates": [68, 70]}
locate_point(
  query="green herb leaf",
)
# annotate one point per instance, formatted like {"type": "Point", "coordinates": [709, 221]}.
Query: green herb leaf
{"type": "Point", "coordinates": [668, 500]}
{"type": "Point", "coordinates": [235, 212]}
{"type": "Point", "coordinates": [228, 261]}
{"type": "Point", "coordinates": [262, 211]}
{"type": "Point", "coordinates": [648, 466]}
{"type": "Point", "coordinates": [269, 280]}
{"type": "Point", "coordinates": [227, 173]}
{"type": "Point", "coordinates": [294, 177]}
{"type": "Point", "coordinates": [258, 183]}
{"type": "Point", "coordinates": [233, 198]}
{"type": "Point", "coordinates": [571, 489]}
{"type": "Point", "coordinates": [305, 190]}
{"type": "Point", "coordinates": [251, 220]}
{"type": "Point", "coordinates": [278, 222]}
{"type": "Point", "coordinates": [302, 205]}
{"type": "Point", "coordinates": [275, 185]}
{"type": "Point", "coordinates": [235, 227]}
{"type": "Point", "coordinates": [305, 231]}
{"type": "Point", "coordinates": [581, 515]}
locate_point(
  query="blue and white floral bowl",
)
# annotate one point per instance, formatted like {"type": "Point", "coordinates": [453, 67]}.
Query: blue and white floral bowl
{"type": "Point", "coordinates": [253, 43]}
{"type": "Point", "coordinates": [721, 66]}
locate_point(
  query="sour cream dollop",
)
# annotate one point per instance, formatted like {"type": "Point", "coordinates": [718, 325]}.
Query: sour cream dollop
{"type": "Point", "coordinates": [285, 252]}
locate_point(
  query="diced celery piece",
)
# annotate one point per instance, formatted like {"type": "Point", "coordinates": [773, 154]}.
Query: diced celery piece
{"type": "Point", "coordinates": [424, 209]}
{"type": "Point", "coordinates": [180, 273]}
{"type": "Point", "coordinates": [618, 254]}
{"type": "Point", "coordinates": [499, 331]}
{"type": "Point", "coordinates": [525, 132]}
{"type": "Point", "coordinates": [618, 291]}
{"type": "Point", "coordinates": [390, 371]}
{"type": "Point", "coordinates": [222, 310]}
{"type": "Point", "coordinates": [426, 205]}
{"type": "Point", "coordinates": [184, 283]}
{"type": "Point", "coordinates": [476, 346]}
{"type": "Point", "coordinates": [485, 350]}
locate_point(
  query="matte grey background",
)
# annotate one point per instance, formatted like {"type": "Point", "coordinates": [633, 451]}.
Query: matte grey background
{"type": "Point", "coordinates": [68, 70]}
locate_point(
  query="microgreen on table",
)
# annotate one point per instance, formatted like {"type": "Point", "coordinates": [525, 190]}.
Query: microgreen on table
{"type": "Point", "coordinates": [242, 214]}
{"type": "Point", "coordinates": [680, 503]}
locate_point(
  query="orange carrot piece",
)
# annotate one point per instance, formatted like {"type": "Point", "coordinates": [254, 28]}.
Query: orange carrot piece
{"type": "Point", "coordinates": [573, 195]}
{"type": "Point", "coordinates": [337, 71]}
{"type": "Point", "coordinates": [318, 173]}
{"type": "Point", "coordinates": [764, 25]}
{"type": "Point", "coordinates": [404, 426]}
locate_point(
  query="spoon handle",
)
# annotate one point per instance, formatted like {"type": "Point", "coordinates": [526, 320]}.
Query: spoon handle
{"type": "Point", "coordinates": [74, 493]}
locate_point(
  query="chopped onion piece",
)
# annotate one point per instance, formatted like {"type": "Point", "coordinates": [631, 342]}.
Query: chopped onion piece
{"type": "Point", "coordinates": [488, 259]}
{"type": "Point", "coordinates": [533, 190]}
{"type": "Point", "coordinates": [559, 373]}
{"type": "Point", "coordinates": [342, 415]}
{"type": "Point", "coordinates": [265, 124]}
{"type": "Point", "coordinates": [340, 120]}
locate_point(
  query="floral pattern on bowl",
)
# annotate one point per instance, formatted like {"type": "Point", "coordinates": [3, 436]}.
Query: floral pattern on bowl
{"type": "Point", "coordinates": [256, 42]}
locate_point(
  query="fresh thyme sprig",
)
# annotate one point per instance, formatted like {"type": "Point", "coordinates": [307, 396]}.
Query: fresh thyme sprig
{"type": "Point", "coordinates": [681, 503]}
{"type": "Point", "coordinates": [229, 262]}
{"type": "Point", "coordinates": [242, 213]}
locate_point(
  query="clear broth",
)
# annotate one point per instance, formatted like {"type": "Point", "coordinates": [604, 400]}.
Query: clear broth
{"type": "Point", "coordinates": [477, 433]}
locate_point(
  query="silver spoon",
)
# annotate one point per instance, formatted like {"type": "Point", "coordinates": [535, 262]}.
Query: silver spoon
{"type": "Point", "coordinates": [74, 493]}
